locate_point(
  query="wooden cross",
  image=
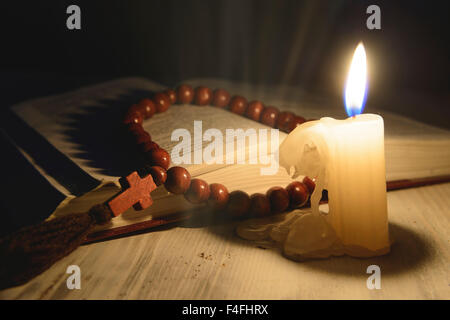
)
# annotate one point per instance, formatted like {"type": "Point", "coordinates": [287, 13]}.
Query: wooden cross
{"type": "Point", "coordinates": [136, 194]}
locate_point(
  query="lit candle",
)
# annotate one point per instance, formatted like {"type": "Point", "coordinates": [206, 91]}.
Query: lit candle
{"type": "Point", "coordinates": [347, 158]}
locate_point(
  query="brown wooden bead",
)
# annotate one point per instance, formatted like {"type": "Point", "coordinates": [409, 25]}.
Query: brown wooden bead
{"type": "Point", "coordinates": [254, 110]}
{"type": "Point", "coordinates": [310, 184]}
{"type": "Point", "coordinates": [158, 174]}
{"type": "Point", "coordinates": [218, 197]}
{"type": "Point", "coordinates": [178, 180]}
{"type": "Point", "coordinates": [238, 204]}
{"type": "Point", "coordinates": [133, 118]}
{"type": "Point", "coordinates": [238, 105]}
{"type": "Point", "coordinates": [279, 199]}
{"type": "Point", "coordinates": [147, 108]}
{"type": "Point", "coordinates": [159, 157]}
{"type": "Point", "coordinates": [284, 121]}
{"type": "Point", "coordinates": [185, 94]}
{"type": "Point", "coordinates": [135, 128]}
{"type": "Point", "coordinates": [269, 116]}
{"type": "Point", "coordinates": [198, 191]}
{"type": "Point", "coordinates": [172, 95]}
{"type": "Point", "coordinates": [135, 109]}
{"type": "Point", "coordinates": [162, 102]}
{"type": "Point", "coordinates": [259, 206]}
{"type": "Point", "coordinates": [203, 96]}
{"type": "Point", "coordinates": [221, 98]}
{"type": "Point", "coordinates": [298, 120]}
{"type": "Point", "coordinates": [298, 194]}
{"type": "Point", "coordinates": [142, 137]}
{"type": "Point", "coordinates": [149, 146]}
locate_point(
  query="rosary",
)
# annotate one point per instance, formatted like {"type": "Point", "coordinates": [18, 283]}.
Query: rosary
{"type": "Point", "coordinates": [177, 180]}
{"type": "Point", "coordinates": [31, 250]}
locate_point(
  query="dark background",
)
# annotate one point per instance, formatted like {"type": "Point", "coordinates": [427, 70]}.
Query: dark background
{"type": "Point", "coordinates": [304, 43]}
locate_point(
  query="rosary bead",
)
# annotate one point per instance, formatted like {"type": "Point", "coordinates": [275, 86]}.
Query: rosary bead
{"type": "Point", "coordinates": [221, 98]}
{"type": "Point", "coordinates": [279, 199]}
{"type": "Point", "coordinates": [162, 102]}
{"type": "Point", "coordinates": [159, 157]}
{"type": "Point", "coordinates": [269, 116]}
{"type": "Point", "coordinates": [284, 121]}
{"type": "Point", "coordinates": [185, 94]}
{"type": "Point", "coordinates": [198, 191]}
{"type": "Point", "coordinates": [238, 105]}
{"type": "Point", "coordinates": [135, 108]}
{"type": "Point", "coordinates": [218, 197]}
{"type": "Point", "coordinates": [203, 96]}
{"type": "Point", "coordinates": [298, 194]}
{"type": "Point", "coordinates": [259, 206]}
{"type": "Point", "coordinates": [172, 95]}
{"type": "Point", "coordinates": [142, 137]}
{"type": "Point", "coordinates": [133, 118]}
{"type": "Point", "coordinates": [238, 204]}
{"type": "Point", "coordinates": [135, 128]}
{"type": "Point", "coordinates": [158, 174]}
{"type": "Point", "coordinates": [254, 110]}
{"type": "Point", "coordinates": [149, 146]}
{"type": "Point", "coordinates": [147, 108]}
{"type": "Point", "coordinates": [310, 184]}
{"type": "Point", "coordinates": [178, 180]}
{"type": "Point", "coordinates": [298, 120]}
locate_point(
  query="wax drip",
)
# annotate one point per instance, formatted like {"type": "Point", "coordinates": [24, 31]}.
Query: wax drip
{"type": "Point", "coordinates": [303, 233]}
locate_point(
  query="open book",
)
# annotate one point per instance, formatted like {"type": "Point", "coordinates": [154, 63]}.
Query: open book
{"type": "Point", "coordinates": [77, 143]}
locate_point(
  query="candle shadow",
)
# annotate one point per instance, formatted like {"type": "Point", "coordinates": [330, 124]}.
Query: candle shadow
{"type": "Point", "coordinates": [409, 251]}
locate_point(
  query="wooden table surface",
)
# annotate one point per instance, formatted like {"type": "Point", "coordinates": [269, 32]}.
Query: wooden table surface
{"type": "Point", "coordinates": [211, 262]}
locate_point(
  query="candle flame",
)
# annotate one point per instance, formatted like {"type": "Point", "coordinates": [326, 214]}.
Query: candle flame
{"type": "Point", "coordinates": [356, 86]}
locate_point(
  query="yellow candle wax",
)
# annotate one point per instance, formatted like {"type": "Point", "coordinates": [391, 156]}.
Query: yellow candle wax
{"type": "Point", "coordinates": [347, 159]}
